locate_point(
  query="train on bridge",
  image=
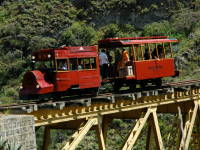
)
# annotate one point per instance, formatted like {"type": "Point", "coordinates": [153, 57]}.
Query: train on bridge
{"type": "Point", "coordinates": [68, 70]}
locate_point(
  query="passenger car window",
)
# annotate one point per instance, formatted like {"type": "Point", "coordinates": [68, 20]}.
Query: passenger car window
{"type": "Point", "coordinates": [139, 52]}
{"type": "Point", "coordinates": [168, 50]}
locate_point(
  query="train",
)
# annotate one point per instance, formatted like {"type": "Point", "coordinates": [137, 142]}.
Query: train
{"type": "Point", "coordinates": [76, 69]}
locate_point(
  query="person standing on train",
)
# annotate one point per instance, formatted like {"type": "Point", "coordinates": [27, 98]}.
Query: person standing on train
{"type": "Point", "coordinates": [125, 56]}
{"type": "Point", "coordinates": [124, 59]}
{"type": "Point", "coordinates": [103, 64]}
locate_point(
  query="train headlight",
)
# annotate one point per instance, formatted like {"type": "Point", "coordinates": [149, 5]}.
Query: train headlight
{"type": "Point", "coordinates": [33, 57]}
{"type": "Point", "coordinates": [37, 86]}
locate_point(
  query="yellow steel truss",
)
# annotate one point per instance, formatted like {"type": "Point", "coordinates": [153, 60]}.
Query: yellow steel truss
{"type": "Point", "coordinates": [144, 109]}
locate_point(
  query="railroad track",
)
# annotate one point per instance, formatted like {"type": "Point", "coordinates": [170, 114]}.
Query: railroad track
{"type": "Point", "coordinates": [87, 100]}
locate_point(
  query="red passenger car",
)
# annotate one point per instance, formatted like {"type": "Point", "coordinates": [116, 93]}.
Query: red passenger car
{"type": "Point", "coordinates": [148, 60]}
{"type": "Point", "coordinates": [62, 70]}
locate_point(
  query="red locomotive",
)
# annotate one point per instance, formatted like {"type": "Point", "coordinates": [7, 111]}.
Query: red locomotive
{"type": "Point", "coordinates": [62, 70]}
{"type": "Point", "coordinates": [59, 71]}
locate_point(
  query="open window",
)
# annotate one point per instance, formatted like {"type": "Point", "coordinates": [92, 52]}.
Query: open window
{"type": "Point", "coordinates": [138, 52]}
{"type": "Point", "coordinates": [86, 63]}
{"type": "Point", "coordinates": [93, 63]}
{"type": "Point", "coordinates": [43, 65]}
{"type": "Point", "coordinates": [168, 50]}
{"type": "Point", "coordinates": [62, 64]}
{"type": "Point", "coordinates": [73, 64]}
{"type": "Point", "coordinates": [151, 51]}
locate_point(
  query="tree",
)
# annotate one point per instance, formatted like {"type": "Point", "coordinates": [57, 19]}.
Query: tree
{"type": "Point", "coordinates": [78, 34]}
{"type": "Point", "coordinates": [158, 28]}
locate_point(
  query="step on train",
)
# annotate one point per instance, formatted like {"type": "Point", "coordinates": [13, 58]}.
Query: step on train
{"type": "Point", "coordinates": [70, 70]}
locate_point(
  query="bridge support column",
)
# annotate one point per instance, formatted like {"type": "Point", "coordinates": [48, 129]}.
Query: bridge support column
{"type": "Point", "coordinates": [154, 131]}
{"type": "Point", "coordinates": [149, 136]}
{"type": "Point", "coordinates": [79, 134]}
{"type": "Point", "coordinates": [134, 133]}
{"type": "Point", "coordinates": [46, 138]}
{"type": "Point", "coordinates": [157, 134]}
{"type": "Point", "coordinates": [188, 128]}
{"type": "Point", "coordinates": [105, 124]}
{"type": "Point", "coordinates": [100, 134]}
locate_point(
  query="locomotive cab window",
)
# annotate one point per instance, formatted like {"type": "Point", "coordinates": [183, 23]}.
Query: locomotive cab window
{"type": "Point", "coordinates": [93, 63]}
{"type": "Point", "coordinates": [43, 65]}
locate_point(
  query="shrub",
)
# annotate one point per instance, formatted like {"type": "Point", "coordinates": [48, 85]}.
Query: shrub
{"type": "Point", "coordinates": [78, 34]}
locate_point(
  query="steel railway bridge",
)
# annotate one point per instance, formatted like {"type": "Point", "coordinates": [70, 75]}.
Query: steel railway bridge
{"type": "Point", "coordinates": [181, 99]}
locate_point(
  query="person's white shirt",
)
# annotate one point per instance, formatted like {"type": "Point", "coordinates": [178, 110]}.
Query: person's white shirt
{"type": "Point", "coordinates": [103, 58]}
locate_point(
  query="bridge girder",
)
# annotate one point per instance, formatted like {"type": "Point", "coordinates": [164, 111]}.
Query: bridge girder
{"type": "Point", "coordinates": [144, 109]}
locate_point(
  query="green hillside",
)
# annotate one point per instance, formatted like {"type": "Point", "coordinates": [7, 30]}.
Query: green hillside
{"type": "Point", "coordinates": [29, 25]}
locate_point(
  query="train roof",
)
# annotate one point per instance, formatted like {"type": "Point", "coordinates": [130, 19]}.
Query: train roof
{"type": "Point", "coordinates": [64, 52]}
{"type": "Point", "coordinates": [123, 42]}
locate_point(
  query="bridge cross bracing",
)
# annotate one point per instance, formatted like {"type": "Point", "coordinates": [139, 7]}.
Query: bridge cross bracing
{"type": "Point", "coordinates": [143, 109]}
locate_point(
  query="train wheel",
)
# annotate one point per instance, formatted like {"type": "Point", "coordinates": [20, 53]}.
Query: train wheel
{"type": "Point", "coordinates": [95, 91]}
{"type": "Point", "coordinates": [132, 86]}
{"type": "Point", "coordinates": [143, 84]}
{"type": "Point", "coordinates": [158, 82]}
{"type": "Point", "coordinates": [117, 86]}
